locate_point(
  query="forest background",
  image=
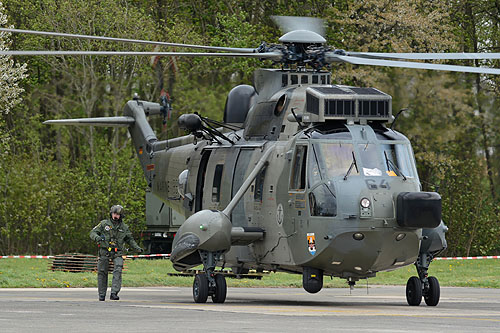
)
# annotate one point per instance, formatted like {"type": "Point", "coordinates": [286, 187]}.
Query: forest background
{"type": "Point", "coordinates": [56, 183]}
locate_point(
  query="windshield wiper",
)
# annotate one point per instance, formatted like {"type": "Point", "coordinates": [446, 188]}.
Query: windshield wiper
{"type": "Point", "coordinates": [353, 163]}
{"type": "Point", "coordinates": [393, 165]}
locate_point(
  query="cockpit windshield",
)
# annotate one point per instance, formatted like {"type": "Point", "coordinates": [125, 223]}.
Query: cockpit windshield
{"type": "Point", "coordinates": [331, 160]}
{"type": "Point", "coordinates": [398, 161]}
{"type": "Point", "coordinates": [386, 159]}
{"type": "Point", "coordinates": [371, 162]}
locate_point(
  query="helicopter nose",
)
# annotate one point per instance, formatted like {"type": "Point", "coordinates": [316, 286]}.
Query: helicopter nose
{"type": "Point", "coordinates": [418, 209]}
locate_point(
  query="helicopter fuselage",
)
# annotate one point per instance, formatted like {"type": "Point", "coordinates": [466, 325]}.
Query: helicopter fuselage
{"type": "Point", "coordinates": [327, 198]}
{"type": "Point", "coordinates": [308, 179]}
{"type": "Point", "coordinates": [309, 218]}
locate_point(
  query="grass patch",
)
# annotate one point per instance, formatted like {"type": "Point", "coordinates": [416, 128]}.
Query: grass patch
{"type": "Point", "coordinates": [34, 273]}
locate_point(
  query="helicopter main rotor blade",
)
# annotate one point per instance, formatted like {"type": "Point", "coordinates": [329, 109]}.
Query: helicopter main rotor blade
{"type": "Point", "coordinates": [266, 55]}
{"type": "Point", "coordinates": [126, 40]}
{"type": "Point", "coordinates": [331, 57]}
{"type": "Point", "coordinates": [425, 56]}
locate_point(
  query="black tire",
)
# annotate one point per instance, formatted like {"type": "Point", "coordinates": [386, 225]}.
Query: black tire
{"type": "Point", "coordinates": [200, 288]}
{"type": "Point", "coordinates": [433, 293]}
{"type": "Point", "coordinates": [220, 293]}
{"type": "Point", "coordinates": [414, 291]}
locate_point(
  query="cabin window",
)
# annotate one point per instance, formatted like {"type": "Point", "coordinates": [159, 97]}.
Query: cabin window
{"type": "Point", "coordinates": [217, 182]}
{"type": "Point", "coordinates": [284, 80]}
{"type": "Point", "coordinates": [295, 79]}
{"type": "Point", "coordinates": [298, 176]}
{"type": "Point", "coordinates": [238, 216]}
{"type": "Point", "coordinates": [314, 79]}
{"type": "Point", "coordinates": [304, 79]}
{"type": "Point", "coordinates": [323, 79]}
{"type": "Point", "coordinates": [259, 185]}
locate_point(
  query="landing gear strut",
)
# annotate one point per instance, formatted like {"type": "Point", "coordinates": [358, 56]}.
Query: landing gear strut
{"type": "Point", "coordinates": [423, 285]}
{"type": "Point", "coordinates": [208, 283]}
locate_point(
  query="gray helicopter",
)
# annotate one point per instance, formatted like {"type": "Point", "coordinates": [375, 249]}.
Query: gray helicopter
{"type": "Point", "coordinates": [302, 176]}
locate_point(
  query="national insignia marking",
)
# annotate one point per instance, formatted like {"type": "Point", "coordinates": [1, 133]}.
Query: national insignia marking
{"type": "Point", "coordinates": [311, 243]}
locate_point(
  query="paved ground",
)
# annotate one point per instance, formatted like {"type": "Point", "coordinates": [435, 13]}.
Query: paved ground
{"type": "Point", "coordinates": [384, 309]}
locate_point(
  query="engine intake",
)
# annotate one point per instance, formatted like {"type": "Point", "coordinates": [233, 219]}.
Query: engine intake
{"type": "Point", "coordinates": [343, 102]}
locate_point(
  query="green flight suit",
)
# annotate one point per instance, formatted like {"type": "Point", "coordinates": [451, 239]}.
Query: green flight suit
{"type": "Point", "coordinates": [116, 234]}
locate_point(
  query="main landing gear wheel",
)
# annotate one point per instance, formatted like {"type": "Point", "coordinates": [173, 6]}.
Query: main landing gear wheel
{"type": "Point", "coordinates": [431, 295]}
{"type": "Point", "coordinates": [219, 295]}
{"type": "Point", "coordinates": [414, 291]}
{"type": "Point", "coordinates": [200, 288]}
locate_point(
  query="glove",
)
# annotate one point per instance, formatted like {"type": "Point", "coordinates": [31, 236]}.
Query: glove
{"type": "Point", "coordinates": [140, 250]}
{"type": "Point", "coordinates": [101, 239]}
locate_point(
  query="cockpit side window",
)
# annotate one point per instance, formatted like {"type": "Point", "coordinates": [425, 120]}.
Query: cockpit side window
{"type": "Point", "coordinates": [298, 175]}
{"type": "Point", "coordinates": [322, 202]}
{"type": "Point", "coordinates": [314, 174]}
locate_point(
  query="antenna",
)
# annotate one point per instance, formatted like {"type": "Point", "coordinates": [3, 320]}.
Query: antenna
{"type": "Point", "coordinates": [396, 118]}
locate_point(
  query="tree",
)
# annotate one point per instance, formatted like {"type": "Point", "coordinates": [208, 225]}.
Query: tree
{"type": "Point", "coordinates": [450, 121]}
{"type": "Point", "coordinates": [77, 173]}
{"type": "Point", "coordinates": [11, 75]}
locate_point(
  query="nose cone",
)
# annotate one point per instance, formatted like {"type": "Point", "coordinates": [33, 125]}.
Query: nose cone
{"type": "Point", "coordinates": [208, 230]}
{"type": "Point", "coordinates": [418, 209]}
{"type": "Point", "coordinates": [184, 246]}
{"type": "Point", "coordinates": [212, 229]}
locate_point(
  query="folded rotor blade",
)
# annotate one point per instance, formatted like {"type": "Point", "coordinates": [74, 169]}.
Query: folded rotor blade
{"type": "Point", "coordinates": [119, 121]}
{"type": "Point", "coordinates": [407, 64]}
{"type": "Point", "coordinates": [125, 40]}
{"type": "Point", "coordinates": [266, 55]}
{"type": "Point", "coordinates": [425, 56]}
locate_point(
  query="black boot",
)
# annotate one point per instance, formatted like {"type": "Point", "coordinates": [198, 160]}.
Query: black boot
{"type": "Point", "coordinates": [101, 298]}
{"type": "Point", "coordinates": [114, 297]}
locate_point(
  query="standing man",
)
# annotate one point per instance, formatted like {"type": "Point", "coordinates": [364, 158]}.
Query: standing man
{"type": "Point", "coordinates": [111, 235]}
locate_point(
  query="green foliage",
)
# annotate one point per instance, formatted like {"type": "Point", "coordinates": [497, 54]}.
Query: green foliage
{"type": "Point", "coordinates": [57, 183]}
{"type": "Point", "coordinates": [11, 74]}
{"type": "Point", "coordinates": [24, 273]}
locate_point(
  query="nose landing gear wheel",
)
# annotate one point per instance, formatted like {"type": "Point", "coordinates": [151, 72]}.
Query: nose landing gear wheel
{"type": "Point", "coordinates": [414, 291]}
{"type": "Point", "coordinates": [200, 288]}
{"type": "Point", "coordinates": [432, 294]}
{"type": "Point", "coordinates": [219, 295]}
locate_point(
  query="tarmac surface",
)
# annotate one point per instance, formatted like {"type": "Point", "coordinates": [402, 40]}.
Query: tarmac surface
{"type": "Point", "coordinates": [161, 309]}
